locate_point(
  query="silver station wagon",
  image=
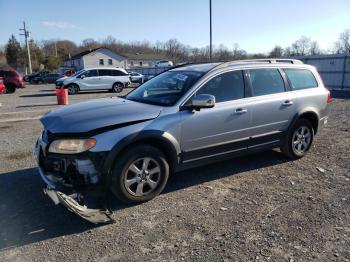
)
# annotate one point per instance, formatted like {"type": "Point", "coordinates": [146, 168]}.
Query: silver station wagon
{"type": "Point", "coordinates": [188, 116]}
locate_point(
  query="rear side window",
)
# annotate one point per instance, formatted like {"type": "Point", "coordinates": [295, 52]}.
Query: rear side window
{"type": "Point", "coordinates": [266, 81]}
{"type": "Point", "coordinates": [225, 87]}
{"type": "Point", "coordinates": [300, 78]}
{"type": "Point", "coordinates": [117, 73]}
{"type": "Point", "coordinates": [104, 72]}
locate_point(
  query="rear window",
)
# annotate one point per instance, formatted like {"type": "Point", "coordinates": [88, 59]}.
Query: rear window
{"type": "Point", "coordinates": [300, 78]}
{"type": "Point", "coordinates": [266, 81]}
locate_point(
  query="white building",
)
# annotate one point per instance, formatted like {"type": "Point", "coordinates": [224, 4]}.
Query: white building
{"type": "Point", "coordinates": [98, 57]}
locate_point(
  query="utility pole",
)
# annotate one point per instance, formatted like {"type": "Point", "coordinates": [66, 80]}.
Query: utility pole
{"type": "Point", "coordinates": [211, 38]}
{"type": "Point", "coordinates": [26, 35]}
{"type": "Point", "coordinates": [55, 48]}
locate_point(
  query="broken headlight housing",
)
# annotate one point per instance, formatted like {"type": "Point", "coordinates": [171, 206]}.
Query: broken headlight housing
{"type": "Point", "coordinates": [71, 146]}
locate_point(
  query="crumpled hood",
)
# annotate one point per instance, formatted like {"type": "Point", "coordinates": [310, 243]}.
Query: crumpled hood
{"type": "Point", "coordinates": [96, 114]}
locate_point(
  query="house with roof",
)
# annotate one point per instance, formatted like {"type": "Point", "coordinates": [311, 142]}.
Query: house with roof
{"type": "Point", "coordinates": [143, 59]}
{"type": "Point", "coordinates": [104, 57]}
{"type": "Point", "coordinates": [98, 57]}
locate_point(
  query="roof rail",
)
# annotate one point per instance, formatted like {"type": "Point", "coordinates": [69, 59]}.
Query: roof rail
{"type": "Point", "coordinates": [264, 60]}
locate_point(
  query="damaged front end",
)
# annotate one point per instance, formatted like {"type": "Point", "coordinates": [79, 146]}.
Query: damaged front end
{"type": "Point", "coordinates": [74, 180]}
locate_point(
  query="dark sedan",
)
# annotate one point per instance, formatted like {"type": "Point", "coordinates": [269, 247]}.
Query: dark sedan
{"type": "Point", "coordinates": [47, 79]}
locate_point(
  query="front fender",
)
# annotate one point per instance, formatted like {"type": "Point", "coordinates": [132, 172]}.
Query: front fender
{"type": "Point", "coordinates": [165, 139]}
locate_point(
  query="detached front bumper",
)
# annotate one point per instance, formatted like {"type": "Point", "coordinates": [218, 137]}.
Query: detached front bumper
{"type": "Point", "coordinates": [67, 196]}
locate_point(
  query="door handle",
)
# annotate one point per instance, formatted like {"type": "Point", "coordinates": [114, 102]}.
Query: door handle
{"type": "Point", "coordinates": [287, 103]}
{"type": "Point", "coordinates": [240, 111]}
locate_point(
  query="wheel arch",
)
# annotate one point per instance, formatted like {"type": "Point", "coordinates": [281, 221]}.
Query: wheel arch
{"type": "Point", "coordinates": [310, 115]}
{"type": "Point", "coordinates": [159, 139]}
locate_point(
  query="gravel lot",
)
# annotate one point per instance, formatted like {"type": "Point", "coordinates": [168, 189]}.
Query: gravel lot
{"type": "Point", "coordinates": [261, 207]}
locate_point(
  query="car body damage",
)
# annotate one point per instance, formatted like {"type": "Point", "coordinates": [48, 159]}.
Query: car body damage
{"type": "Point", "coordinates": [72, 178]}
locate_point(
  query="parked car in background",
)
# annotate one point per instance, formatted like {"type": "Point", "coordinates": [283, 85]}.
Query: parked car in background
{"type": "Point", "coordinates": [189, 116]}
{"type": "Point", "coordinates": [69, 73]}
{"type": "Point", "coordinates": [30, 77]}
{"type": "Point", "coordinates": [164, 63]}
{"type": "Point", "coordinates": [136, 77]}
{"type": "Point", "coordinates": [50, 78]}
{"type": "Point", "coordinates": [114, 79]}
{"type": "Point", "coordinates": [2, 86]}
{"type": "Point", "coordinates": [147, 77]}
{"type": "Point", "coordinates": [12, 80]}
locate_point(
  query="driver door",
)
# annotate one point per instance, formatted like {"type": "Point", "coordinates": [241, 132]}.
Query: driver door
{"type": "Point", "coordinates": [90, 80]}
{"type": "Point", "coordinates": [222, 129]}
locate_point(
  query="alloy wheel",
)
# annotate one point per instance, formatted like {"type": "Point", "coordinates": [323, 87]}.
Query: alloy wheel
{"type": "Point", "coordinates": [301, 140]}
{"type": "Point", "coordinates": [142, 176]}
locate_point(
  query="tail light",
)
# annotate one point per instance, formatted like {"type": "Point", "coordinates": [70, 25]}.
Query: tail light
{"type": "Point", "coordinates": [329, 98]}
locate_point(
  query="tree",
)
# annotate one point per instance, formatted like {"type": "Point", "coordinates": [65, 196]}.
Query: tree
{"type": "Point", "coordinates": [277, 51]}
{"type": "Point", "coordinates": [343, 43]}
{"type": "Point", "coordinates": [314, 48]}
{"type": "Point", "coordinates": [52, 63]}
{"type": "Point", "coordinates": [89, 43]}
{"type": "Point", "coordinates": [13, 50]}
{"type": "Point", "coordinates": [301, 47]}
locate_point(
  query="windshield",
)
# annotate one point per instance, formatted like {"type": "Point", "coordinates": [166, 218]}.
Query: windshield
{"type": "Point", "coordinates": [165, 89]}
{"type": "Point", "coordinates": [78, 72]}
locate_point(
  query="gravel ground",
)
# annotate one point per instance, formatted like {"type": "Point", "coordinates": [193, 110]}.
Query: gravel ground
{"type": "Point", "coordinates": [262, 207]}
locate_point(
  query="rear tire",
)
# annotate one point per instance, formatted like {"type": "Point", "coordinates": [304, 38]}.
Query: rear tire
{"type": "Point", "coordinates": [73, 89]}
{"type": "Point", "coordinates": [139, 174]}
{"type": "Point", "coordinates": [10, 88]}
{"type": "Point", "coordinates": [118, 87]}
{"type": "Point", "coordinates": [299, 139]}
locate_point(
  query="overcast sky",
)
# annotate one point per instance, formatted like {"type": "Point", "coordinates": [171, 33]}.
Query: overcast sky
{"type": "Point", "coordinates": [256, 25]}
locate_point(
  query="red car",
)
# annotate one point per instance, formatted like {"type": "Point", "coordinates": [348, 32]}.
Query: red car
{"type": "Point", "coordinates": [12, 80]}
{"type": "Point", "coordinates": [69, 73]}
{"type": "Point", "coordinates": [2, 86]}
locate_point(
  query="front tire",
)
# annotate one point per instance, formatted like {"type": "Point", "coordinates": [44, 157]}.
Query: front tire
{"type": "Point", "coordinates": [299, 139]}
{"type": "Point", "coordinates": [73, 89]}
{"type": "Point", "coordinates": [139, 175]}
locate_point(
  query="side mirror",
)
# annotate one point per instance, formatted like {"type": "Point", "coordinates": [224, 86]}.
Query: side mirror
{"type": "Point", "coordinates": [201, 101]}
{"type": "Point", "coordinates": [82, 76]}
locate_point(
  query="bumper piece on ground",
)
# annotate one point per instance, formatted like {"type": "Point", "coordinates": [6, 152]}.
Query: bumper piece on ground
{"type": "Point", "coordinates": [95, 216]}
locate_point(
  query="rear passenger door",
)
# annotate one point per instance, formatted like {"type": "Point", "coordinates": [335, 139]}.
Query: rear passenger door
{"type": "Point", "coordinates": [106, 78]}
{"type": "Point", "coordinates": [273, 108]}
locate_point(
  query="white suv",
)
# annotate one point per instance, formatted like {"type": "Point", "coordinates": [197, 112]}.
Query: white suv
{"type": "Point", "coordinates": [114, 79]}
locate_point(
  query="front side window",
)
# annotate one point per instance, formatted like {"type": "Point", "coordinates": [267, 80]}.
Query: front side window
{"type": "Point", "coordinates": [225, 87]}
{"type": "Point", "coordinates": [102, 62]}
{"type": "Point", "coordinates": [266, 81]}
{"type": "Point", "coordinates": [165, 89]}
{"type": "Point", "coordinates": [300, 78]}
{"type": "Point", "coordinates": [90, 73]}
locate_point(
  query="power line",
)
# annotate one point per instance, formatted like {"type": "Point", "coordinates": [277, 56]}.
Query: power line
{"type": "Point", "coordinates": [26, 36]}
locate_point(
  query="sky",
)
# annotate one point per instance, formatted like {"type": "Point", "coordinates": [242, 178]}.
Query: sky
{"type": "Point", "coordinates": [256, 25]}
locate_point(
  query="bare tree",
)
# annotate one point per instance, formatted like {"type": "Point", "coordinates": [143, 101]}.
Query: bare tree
{"type": "Point", "coordinates": [277, 51]}
{"type": "Point", "coordinates": [343, 43]}
{"type": "Point", "coordinates": [301, 46]}
{"type": "Point", "coordinates": [314, 48]}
